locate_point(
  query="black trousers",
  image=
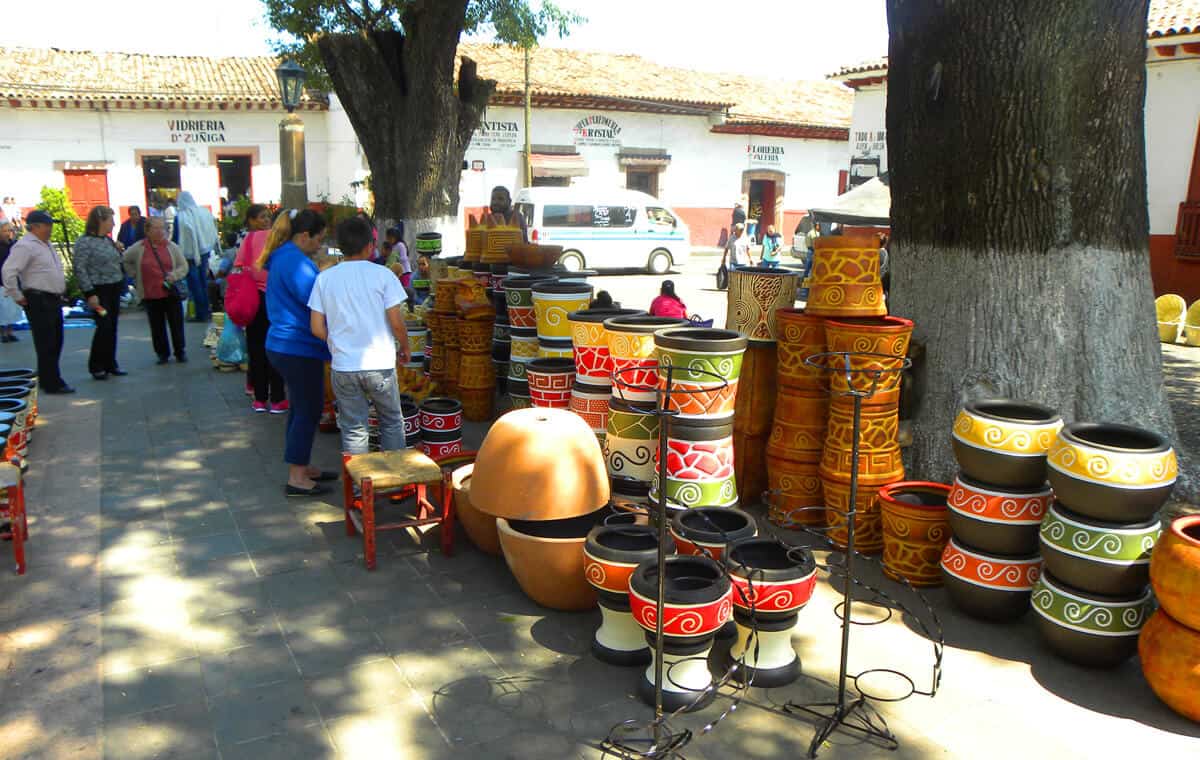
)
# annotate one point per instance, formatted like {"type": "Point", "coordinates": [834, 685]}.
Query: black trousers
{"type": "Point", "coordinates": [267, 382]}
{"type": "Point", "coordinates": [163, 312]}
{"type": "Point", "coordinates": [44, 312]}
{"type": "Point", "coordinates": [103, 357]}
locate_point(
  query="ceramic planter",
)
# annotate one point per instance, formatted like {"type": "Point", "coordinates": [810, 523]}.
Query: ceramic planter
{"type": "Point", "coordinates": [755, 295]}
{"type": "Point", "coordinates": [497, 243]}
{"type": "Point", "coordinates": [801, 335]}
{"type": "Point", "coordinates": [553, 301]}
{"type": "Point", "coordinates": [704, 366]}
{"type": "Point", "coordinates": [497, 274]}
{"type": "Point", "coordinates": [555, 349]}
{"type": "Point", "coordinates": [845, 278]}
{"type": "Point", "coordinates": [749, 466]}
{"type": "Point", "coordinates": [879, 446]}
{"type": "Point", "coordinates": [916, 530]}
{"type": "Point", "coordinates": [988, 586]}
{"type": "Point", "coordinates": [444, 292]}
{"type": "Point", "coordinates": [699, 467]}
{"type": "Point", "coordinates": [475, 372]}
{"type": "Point", "coordinates": [1089, 629]}
{"type": "Point", "coordinates": [877, 335]}
{"type": "Point", "coordinates": [631, 442]}
{"type": "Point", "coordinates": [706, 531]}
{"type": "Point", "coordinates": [429, 243]}
{"type": "Point", "coordinates": [1117, 473]}
{"type": "Point", "coordinates": [593, 365]}
{"type": "Point", "coordinates": [417, 336]}
{"type": "Point", "coordinates": [412, 421]}
{"type": "Point", "coordinates": [868, 520]}
{"type": "Point", "coordinates": [611, 554]}
{"type": "Point", "coordinates": [546, 558]}
{"type": "Point", "coordinates": [631, 350]}
{"type": "Point", "coordinates": [801, 422]}
{"type": "Point", "coordinates": [440, 415]}
{"type": "Point", "coordinates": [479, 527]}
{"type": "Point", "coordinates": [1175, 570]}
{"type": "Point", "coordinates": [796, 496]}
{"type": "Point", "coordinates": [1169, 653]}
{"type": "Point", "coordinates": [591, 403]}
{"type": "Point", "coordinates": [696, 604]}
{"type": "Point", "coordinates": [19, 435]}
{"type": "Point", "coordinates": [475, 336]}
{"type": "Point", "coordinates": [754, 408]}
{"type": "Point", "coordinates": [994, 520]}
{"type": "Point", "coordinates": [1004, 442]}
{"type": "Point", "coordinates": [518, 292]}
{"type": "Point", "coordinates": [629, 495]}
{"type": "Point", "coordinates": [550, 382]}
{"type": "Point", "coordinates": [439, 449]}
{"type": "Point", "coordinates": [478, 403]}
{"type": "Point", "coordinates": [1097, 557]}
{"type": "Point", "coordinates": [523, 344]}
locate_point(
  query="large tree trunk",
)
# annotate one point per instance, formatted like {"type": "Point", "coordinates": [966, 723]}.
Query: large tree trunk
{"type": "Point", "coordinates": [1019, 222]}
{"type": "Point", "coordinates": [413, 119]}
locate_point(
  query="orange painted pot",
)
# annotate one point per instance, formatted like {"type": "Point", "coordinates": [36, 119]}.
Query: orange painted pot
{"type": "Point", "coordinates": [754, 409]}
{"type": "Point", "coordinates": [885, 335]}
{"type": "Point", "coordinates": [475, 336]}
{"type": "Point", "coordinates": [796, 496]}
{"type": "Point", "coordinates": [479, 527]}
{"type": "Point", "coordinates": [916, 530]}
{"type": "Point", "coordinates": [800, 424]}
{"type": "Point", "coordinates": [1170, 656]}
{"type": "Point", "coordinates": [879, 447]}
{"type": "Point", "coordinates": [437, 363]}
{"type": "Point", "coordinates": [868, 522]}
{"type": "Point", "coordinates": [845, 278]}
{"type": "Point", "coordinates": [800, 336]}
{"type": "Point", "coordinates": [1175, 572]}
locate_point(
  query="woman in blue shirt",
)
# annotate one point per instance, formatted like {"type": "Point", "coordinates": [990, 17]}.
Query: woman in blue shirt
{"type": "Point", "coordinates": [292, 349]}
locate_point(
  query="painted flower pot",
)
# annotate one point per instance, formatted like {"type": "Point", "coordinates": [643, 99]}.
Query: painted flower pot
{"type": "Point", "coordinates": [868, 519]}
{"type": "Point", "coordinates": [700, 466]}
{"type": "Point", "coordinates": [1004, 443]}
{"type": "Point", "coordinates": [1096, 557]}
{"type": "Point", "coordinates": [997, 521]}
{"type": "Point", "coordinates": [888, 336]}
{"type": "Point", "coordinates": [591, 403]}
{"type": "Point", "coordinates": [1089, 629]}
{"type": "Point", "coordinates": [546, 557]}
{"type": "Point", "coordinates": [550, 382]}
{"type": "Point", "coordinates": [518, 291]}
{"type": "Point", "coordinates": [879, 458]}
{"type": "Point", "coordinates": [439, 449]}
{"type": "Point", "coordinates": [916, 530]}
{"type": "Point", "coordinates": [611, 553]}
{"type": "Point", "coordinates": [475, 372]}
{"type": "Point", "coordinates": [502, 349]}
{"type": "Point", "coordinates": [1170, 656]}
{"type": "Point", "coordinates": [801, 335]}
{"type": "Point", "coordinates": [19, 435]}
{"type": "Point", "coordinates": [696, 604]}
{"type": "Point", "coordinates": [480, 528]}
{"type": "Point", "coordinates": [706, 531]}
{"type": "Point", "coordinates": [440, 415]}
{"type": "Point", "coordinates": [497, 243]}
{"type": "Point", "coordinates": [1106, 471]}
{"type": "Point", "coordinates": [771, 584]}
{"type": "Point", "coordinates": [523, 344]}
{"type": "Point", "coordinates": [801, 423]}
{"type": "Point", "coordinates": [1175, 570]}
{"type": "Point", "coordinates": [556, 349]}
{"type": "Point", "coordinates": [755, 295]}
{"type": "Point", "coordinates": [631, 350]}
{"type": "Point", "coordinates": [631, 442]}
{"type": "Point", "coordinates": [418, 334]}
{"type": "Point", "coordinates": [553, 301]}
{"type": "Point", "coordinates": [496, 276]}
{"type": "Point", "coordinates": [28, 375]}
{"type": "Point", "coordinates": [704, 366]}
{"type": "Point", "coordinates": [796, 495]}
{"type": "Point", "coordinates": [8, 437]}
{"type": "Point", "coordinates": [593, 365]}
{"type": "Point", "coordinates": [475, 336]}
{"type": "Point", "coordinates": [988, 586]}
{"type": "Point", "coordinates": [429, 243]}
{"type": "Point", "coordinates": [845, 278]}
{"type": "Point", "coordinates": [412, 421]}
{"type": "Point", "coordinates": [444, 293]}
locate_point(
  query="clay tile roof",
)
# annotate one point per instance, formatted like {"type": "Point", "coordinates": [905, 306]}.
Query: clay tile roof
{"type": "Point", "coordinates": [1171, 17]}
{"type": "Point", "coordinates": [86, 75]}
{"type": "Point", "coordinates": [874, 64]}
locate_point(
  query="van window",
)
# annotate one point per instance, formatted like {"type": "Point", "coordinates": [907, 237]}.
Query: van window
{"type": "Point", "coordinates": [526, 212]}
{"type": "Point", "coordinates": [588, 216]}
{"type": "Point", "coordinates": [660, 216]}
{"type": "Point", "coordinates": [613, 216]}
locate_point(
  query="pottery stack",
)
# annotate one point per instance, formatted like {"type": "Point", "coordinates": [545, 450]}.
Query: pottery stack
{"type": "Point", "coordinates": [501, 340]}
{"type": "Point", "coordinates": [443, 321]}
{"type": "Point", "coordinates": [553, 301]}
{"type": "Point", "coordinates": [523, 344]}
{"type": "Point", "coordinates": [476, 374]}
{"type": "Point", "coordinates": [441, 427]}
{"type": "Point", "coordinates": [996, 505]}
{"type": "Point", "coordinates": [1096, 540]}
{"type": "Point", "coordinates": [592, 393]}
{"type": "Point", "coordinates": [1169, 644]}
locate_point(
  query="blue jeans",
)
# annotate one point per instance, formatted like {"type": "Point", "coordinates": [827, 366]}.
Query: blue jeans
{"type": "Point", "coordinates": [304, 377]}
{"type": "Point", "coordinates": [771, 264]}
{"type": "Point", "coordinates": [197, 283]}
{"type": "Point", "coordinates": [355, 391]}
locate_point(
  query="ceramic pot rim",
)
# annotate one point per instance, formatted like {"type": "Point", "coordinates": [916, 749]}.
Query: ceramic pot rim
{"type": "Point", "coordinates": [700, 430]}
{"type": "Point", "coordinates": [1058, 511]}
{"type": "Point", "coordinates": [562, 288]}
{"type": "Point", "coordinates": [20, 403]}
{"type": "Point", "coordinates": [1180, 524]}
{"type": "Point", "coordinates": [874, 325]}
{"type": "Point", "coordinates": [588, 389]}
{"type": "Point", "coordinates": [595, 546]}
{"type": "Point", "coordinates": [701, 340]}
{"type": "Point", "coordinates": [6, 417]}
{"type": "Point", "coordinates": [552, 366]}
{"type": "Point", "coordinates": [1076, 431]}
{"type": "Point", "coordinates": [640, 582]}
{"type": "Point", "coordinates": [524, 333]}
{"type": "Point", "coordinates": [694, 534]}
{"type": "Point", "coordinates": [887, 495]}
{"type": "Point", "coordinates": [519, 282]}
{"type": "Point", "coordinates": [1046, 548]}
{"type": "Point", "coordinates": [5, 430]}
{"type": "Point", "coordinates": [620, 406]}
{"type": "Point", "coordinates": [767, 271]}
{"type": "Point", "coordinates": [802, 571]}
{"type": "Point", "coordinates": [975, 486]}
{"type": "Point", "coordinates": [642, 324]}
{"type": "Point", "coordinates": [594, 316]}
{"type": "Point", "coordinates": [798, 314]}
{"type": "Point", "coordinates": [978, 408]}
{"type": "Point", "coordinates": [441, 406]}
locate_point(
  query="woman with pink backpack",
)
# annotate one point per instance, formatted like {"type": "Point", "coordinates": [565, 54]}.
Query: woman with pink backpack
{"type": "Point", "coordinates": [246, 306]}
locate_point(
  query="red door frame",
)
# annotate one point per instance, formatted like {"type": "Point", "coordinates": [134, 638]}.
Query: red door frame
{"type": "Point", "coordinates": [90, 181]}
{"type": "Point", "coordinates": [1193, 195]}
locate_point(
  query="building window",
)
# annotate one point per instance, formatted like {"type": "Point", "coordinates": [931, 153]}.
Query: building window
{"type": "Point", "coordinates": [161, 177]}
{"type": "Point", "coordinates": [233, 177]}
{"type": "Point", "coordinates": [642, 180]}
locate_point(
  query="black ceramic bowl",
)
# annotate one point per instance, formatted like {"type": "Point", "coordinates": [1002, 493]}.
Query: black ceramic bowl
{"type": "Point", "coordinates": [1121, 448]}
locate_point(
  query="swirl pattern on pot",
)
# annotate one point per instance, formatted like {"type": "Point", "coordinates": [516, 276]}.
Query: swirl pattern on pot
{"type": "Point", "coordinates": [1116, 544]}
{"type": "Point", "coordinates": [995, 505]}
{"type": "Point", "coordinates": [1091, 614]}
{"type": "Point", "coordinates": [888, 336]}
{"type": "Point", "coordinates": [974, 427]}
{"type": "Point", "coordinates": [1074, 456]}
{"type": "Point", "coordinates": [845, 279]}
{"type": "Point", "coordinates": [1002, 573]}
{"type": "Point", "coordinates": [915, 530]}
{"type": "Point", "coordinates": [800, 336]}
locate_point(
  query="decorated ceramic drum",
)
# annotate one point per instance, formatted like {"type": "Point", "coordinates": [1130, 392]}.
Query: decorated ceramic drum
{"type": "Point", "coordinates": [631, 350]}
{"type": "Point", "coordinates": [801, 422]}
{"type": "Point", "coordinates": [879, 458]}
{"type": "Point", "coordinates": [553, 301]}
{"type": "Point", "coordinates": [1117, 473]}
{"type": "Point", "coordinates": [524, 344]}
{"type": "Point", "coordinates": [989, 586]}
{"type": "Point", "coordinates": [611, 553]}
{"type": "Point", "coordinates": [800, 336]}
{"type": "Point", "coordinates": [440, 415]}
{"type": "Point", "coordinates": [518, 291]}
{"type": "Point", "coordinates": [888, 336]}
{"type": "Point", "coordinates": [755, 295]}
{"type": "Point", "coordinates": [997, 520]}
{"type": "Point", "coordinates": [429, 243]}
{"type": "Point", "coordinates": [915, 531]}
{"type": "Point", "coordinates": [591, 403]}
{"type": "Point", "coordinates": [1089, 629]}
{"type": "Point", "coordinates": [700, 466]}
{"type": "Point", "coordinates": [1098, 557]}
{"type": "Point", "coordinates": [1004, 442]}
{"type": "Point", "coordinates": [704, 366]}
{"type": "Point", "coordinates": [631, 441]}
{"type": "Point", "coordinates": [707, 531]}
{"type": "Point", "coordinates": [550, 382]}
{"type": "Point", "coordinates": [593, 365]}
{"type": "Point", "coordinates": [845, 278]}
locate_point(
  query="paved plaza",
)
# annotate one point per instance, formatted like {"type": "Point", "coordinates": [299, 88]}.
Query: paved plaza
{"type": "Point", "coordinates": [178, 606]}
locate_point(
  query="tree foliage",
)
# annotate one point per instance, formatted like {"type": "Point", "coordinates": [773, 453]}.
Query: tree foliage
{"type": "Point", "coordinates": [57, 202]}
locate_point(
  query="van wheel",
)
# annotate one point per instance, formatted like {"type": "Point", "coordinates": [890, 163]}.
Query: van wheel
{"type": "Point", "coordinates": [572, 261]}
{"type": "Point", "coordinates": [660, 262]}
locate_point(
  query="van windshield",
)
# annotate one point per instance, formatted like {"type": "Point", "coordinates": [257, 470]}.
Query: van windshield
{"type": "Point", "coordinates": [526, 212]}
{"type": "Point", "coordinates": [660, 216]}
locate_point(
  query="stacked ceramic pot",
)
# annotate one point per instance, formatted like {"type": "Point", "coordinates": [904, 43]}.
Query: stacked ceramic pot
{"type": "Point", "coordinates": [441, 427]}
{"type": "Point", "coordinates": [1169, 644]}
{"type": "Point", "coordinates": [709, 532]}
{"type": "Point", "coordinates": [879, 426]}
{"type": "Point", "coordinates": [550, 382]}
{"type": "Point", "coordinates": [523, 342]}
{"type": "Point", "coordinates": [845, 280]}
{"type": "Point", "coordinates": [613, 551]}
{"type": "Point", "coordinates": [797, 437]}
{"type": "Point", "coordinates": [631, 445]}
{"type": "Point", "coordinates": [916, 529]}
{"type": "Point", "coordinates": [632, 355]}
{"type": "Point", "coordinates": [445, 347]}
{"type": "Point", "coordinates": [501, 340]}
{"type": "Point", "coordinates": [418, 340]}
{"type": "Point", "coordinates": [553, 301]}
{"type": "Point", "coordinates": [996, 505]}
{"type": "Point", "coordinates": [476, 374]}
{"type": "Point", "coordinates": [1096, 540]}
{"type": "Point", "coordinates": [592, 393]}
{"type": "Point", "coordinates": [412, 421]}
{"type": "Point", "coordinates": [756, 294]}
{"type": "Point", "coordinates": [18, 397]}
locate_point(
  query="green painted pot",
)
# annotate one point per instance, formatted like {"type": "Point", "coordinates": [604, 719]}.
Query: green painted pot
{"type": "Point", "coordinates": [1089, 629]}
{"type": "Point", "coordinates": [694, 352]}
{"type": "Point", "coordinates": [699, 493]}
{"type": "Point", "coordinates": [626, 422]}
{"type": "Point", "coordinates": [1097, 557]}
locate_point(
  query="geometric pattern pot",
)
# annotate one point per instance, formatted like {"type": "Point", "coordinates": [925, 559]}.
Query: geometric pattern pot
{"type": "Point", "coordinates": [700, 467]}
{"type": "Point", "coordinates": [593, 365]}
{"type": "Point", "coordinates": [801, 419]}
{"type": "Point", "coordinates": [631, 442]}
{"type": "Point", "coordinates": [915, 531]}
{"type": "Point", "coordinates": [800, 336]}
{"type": "Point", "coordinates": [883, 335]}
{"type": "Point", "coordinates": [797, 497]}
{"type": "Point", "coordinates": [845, 278]}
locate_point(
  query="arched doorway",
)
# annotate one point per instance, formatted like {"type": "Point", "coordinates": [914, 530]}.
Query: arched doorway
{"type": "Point", "coordinates": [763, 190]}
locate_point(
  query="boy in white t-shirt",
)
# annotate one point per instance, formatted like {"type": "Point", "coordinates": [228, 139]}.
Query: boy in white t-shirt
{"type": "Point", "coordinates": [358, 309]}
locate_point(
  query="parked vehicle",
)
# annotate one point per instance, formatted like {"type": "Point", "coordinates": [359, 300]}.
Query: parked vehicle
{"type": "Point", "coordinates": [605, 229]}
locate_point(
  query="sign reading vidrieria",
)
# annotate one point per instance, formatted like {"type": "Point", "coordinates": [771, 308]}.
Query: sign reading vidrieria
{"type": "Point", "coordinates": [196, 130]}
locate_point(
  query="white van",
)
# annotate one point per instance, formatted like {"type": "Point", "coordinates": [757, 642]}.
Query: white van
{"type": "Point", "coordinates": [610, 229]}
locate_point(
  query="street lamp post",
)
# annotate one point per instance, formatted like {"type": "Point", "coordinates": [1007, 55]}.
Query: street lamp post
{"type": "Point", "coordinates": [294, 193]}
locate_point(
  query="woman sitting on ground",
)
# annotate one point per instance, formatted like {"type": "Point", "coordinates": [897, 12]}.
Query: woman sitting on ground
{"type": "Point", "coordinates": [668, 304]}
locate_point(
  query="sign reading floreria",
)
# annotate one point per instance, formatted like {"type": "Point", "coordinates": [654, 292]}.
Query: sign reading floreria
{"type": "Point", "coordinates": [765, 154]}
{"type": "Point", "coordinates": [196, 130]}
{"type": "Point", "coordinates": [596, 130]}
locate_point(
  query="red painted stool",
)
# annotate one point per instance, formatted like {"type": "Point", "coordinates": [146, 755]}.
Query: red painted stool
{"type": "Point", "coordinates": [12, 508]}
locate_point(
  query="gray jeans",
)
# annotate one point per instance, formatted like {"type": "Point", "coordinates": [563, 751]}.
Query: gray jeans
{"type": "Point", "coordinates": [353, 391]}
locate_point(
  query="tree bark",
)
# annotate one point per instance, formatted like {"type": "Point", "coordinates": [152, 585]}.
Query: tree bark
{"type": "Point", "coordinates": [413, 119]}
{"type": "Point", "coordinates": [1019, 222]}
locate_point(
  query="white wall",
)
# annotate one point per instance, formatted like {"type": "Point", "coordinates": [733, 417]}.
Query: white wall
{"type": "Point", "coordinates": [868, 124]}
{"type": "Point", "coordinates": [1172, 115]}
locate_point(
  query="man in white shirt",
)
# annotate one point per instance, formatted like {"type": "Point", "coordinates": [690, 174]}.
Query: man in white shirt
{"type": "Point", "coordinates": [358, 309]}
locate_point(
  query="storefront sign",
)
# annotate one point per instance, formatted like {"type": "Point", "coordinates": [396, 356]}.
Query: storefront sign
{"type": "Point", "coordinates": [765, 155]}
{"type": "Point", "coordinates": [196, 130]}
{"type": "Point", "coordinates": [496, 135]}
{"type": "Point", "coordinates": [597, 130]}
{"type": "Point", "coordinates": [868, 143]}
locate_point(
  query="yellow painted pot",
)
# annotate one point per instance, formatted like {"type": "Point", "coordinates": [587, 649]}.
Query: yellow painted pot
{"type": "Point", "coordinates": [553, 301]}
{"type": "Point", "coordinates": [845, 278]}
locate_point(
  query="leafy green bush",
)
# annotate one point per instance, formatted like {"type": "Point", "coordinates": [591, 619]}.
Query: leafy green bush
{"type": "Point", "coordinates": [57, 202]}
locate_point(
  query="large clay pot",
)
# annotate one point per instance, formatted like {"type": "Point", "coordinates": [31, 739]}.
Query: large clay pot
{"type": "Point", "coordinates": [631, 350]}
{"type": "Point", "coordinates": [888, 336]}
{"type": "Point", "coordinates": [878, 446]}
{"type": "Point", "coordinates": [553, 301]}
{"type": "Point", "coordinates": [801, 421]}
{"type": "Point", "coordinates": [997, 521]}
{"type": "Point", "coordinates": [591, 403]}
{"type": "Point", "coordinates": [1003, 442]}
{"type": "Point", "coordinates": [706, 531]}
{"type": "Point", "coordinates": [1175, 570]}
{"type": "Point", "coordinates": [1089, 629]}
{"type": "Point", "coordinates": [631, 443]}
{"type": "Point", "coordinates": [1170, 657]}
{"type": "Point", "coordinates": [1111, 559]}
{"type": "Point", "coordinates": [771, 584]}
{"type": "Point", "coordinates": [546, 557]}
{"type": "Point", "coordinates": [593, 365]}
{"type": "Point", "coordinates": [755, 295]}
{"type": "Point", "coordinates": [797, 497]}
{"type": "Point", "coordinates": [518, 291]}
{"type": "Point", "coordinates": [800, 336]}
{"type": "Point", "coordinates": [868, 520]}
{"type": "Point", "coordinates": [845, 278]}
{"type": "Point", "coordinates": [916, 530]}
{"type": "Point", "coordinates": [757, 390]}
{"type": "Point", "coordinates": [479, 527]}
{"type": "Point", "coordinates": [1106, 471]}
{"type": "Point", "coordinates": [989, 586]}
{"type": "Point", "coordinates": [704, 366]}
{"type": "Point", "coordinates": [612, 552]}
{"type": "Point", "coordinates": [696, 604]}
{"type": "Point", "coordinates": [550, 382]}
{"type": "Point", "coordinates": [700, 466]}
{"type": "Point", "coordinates": [475, 336]}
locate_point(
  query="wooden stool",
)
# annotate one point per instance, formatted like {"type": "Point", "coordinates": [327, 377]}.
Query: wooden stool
{"type": "Point", "coordinates": [12, 485]}
{"type": "Point", "coordinates": [399, 474]}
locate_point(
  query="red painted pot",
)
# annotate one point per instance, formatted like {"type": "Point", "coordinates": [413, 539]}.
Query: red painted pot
{"type": "Point", "coordinates": [437, 450]}
{"type": "Point", "coordinates": [593, 363]}
{"type": "Point", "coordinates": [769, 580]}
{"type": "Point", "coordinates": [697, 597]}
{"type": "Point", "coordinates": [997, 520]}
{"type": "Point", "coordinates": [706, 531]}
{"type": "Point", "coordinates": [550, 382]}
{"type": "Point", "coordinates": [441, 415]}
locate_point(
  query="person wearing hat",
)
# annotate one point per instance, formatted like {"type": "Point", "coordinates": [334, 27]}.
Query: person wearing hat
{"type": "Point", "coordinates": [33, 277]}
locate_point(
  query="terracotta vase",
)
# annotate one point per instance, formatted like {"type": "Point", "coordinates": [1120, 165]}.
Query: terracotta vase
{"type": "Point", "coordinates": [550, 382]}
{"type": "Point", "coordinates": [1175, 571]}
{"type": "Point", "coordinates": [801, 422]}
{"type": "Point", "coordinates": [518, 291]}
{"type": "Point", "coordinates": [546, 557]}
{"type": "Point", "coordinates": [801, 335]}
{"type": "Point", "coordinates": [989, 586]}
{"type": "Point", "coordinates": [612, 552]}
{"type": "Point", "coordinates": [699, 468]}
{"type": "Point", "coordinates": [868, 521]}
{"type": "Point", "coordinates": [1003, 442]}
{"type": "Point", "coordinates": [591, 403]}
{"type": "Point", "coordinates": [845, 278]}
{"type": "Point", "coordinates": [754, 408]}
{"type": "Point", "coordinates": [888, 336]}
{"type": "Point", "coordinates": [707, 531]}
{"type": "Point", "coordinates": [703, 366]}
{"type": "Point", "coordinates": [1117, 473]}
{"type": "Point", "coordinates": [796, 495]}
{"type": "Point", "coordinates": [479, 527]}
{"type": "Point", "coordinates": [755, 295]}
{"type": "Point", "coordinates": [995, 520]}
{"type": "Point", "coordinates": [1170, 656]}
{"type": "Point", "coordinates": [631, 350]}
{"type": "Point", "coordinates": [1109, 559]}
{"type": "Point", "coordinates": [553, 301]}
{"type": "Point", "coordinates": [630, 442]}
{"type": "Point", "coordinates": [750, 467]}
{"type": "Point", "coordinates": [915, 531]}
{"type": "Point", "coordinates": [1089, 629]}
{"type": "Point", "coordinates": [879, 445]}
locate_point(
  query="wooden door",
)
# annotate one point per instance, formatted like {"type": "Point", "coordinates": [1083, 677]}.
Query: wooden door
{"type": "Point", "coordinates": [87, 188]}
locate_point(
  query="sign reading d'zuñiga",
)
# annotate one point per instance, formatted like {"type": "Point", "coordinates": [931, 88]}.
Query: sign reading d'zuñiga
{"type": "Point", "coordinates": [196, 130]}
{"type": "Point", "coordinates": [596, 130]}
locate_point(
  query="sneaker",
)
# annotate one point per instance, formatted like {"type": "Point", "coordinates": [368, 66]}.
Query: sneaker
{"type": "Point", "coordinates": [259, 407]}
{"type": "Point", "coordinates": [280, 408]}
{"type": "Point", "coordinates": [249, 389]}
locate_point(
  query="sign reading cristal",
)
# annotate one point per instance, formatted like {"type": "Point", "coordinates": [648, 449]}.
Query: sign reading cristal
{"type": "Point", "coordinates": [596, 130]}
{"type": "Point", "coordinates": [196, 130]}
{"type": "Point", "coordinates": [496, 135]}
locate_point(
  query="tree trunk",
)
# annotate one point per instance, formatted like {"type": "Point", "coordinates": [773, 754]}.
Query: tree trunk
{"type": "Point", "coordinates": [1019, 223]}
{"type": "Point", "coordinates": [413, 119]}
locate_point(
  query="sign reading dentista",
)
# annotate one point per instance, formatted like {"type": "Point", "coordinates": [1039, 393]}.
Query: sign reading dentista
{"type": "Point", "coordinates": [597, 130]}
{"type": "Point", "coordinates": [496, 135]}
{"type": "Point", "coordinates": [765, 155]}
{"type": "Point", "coordinates": [196, 130]}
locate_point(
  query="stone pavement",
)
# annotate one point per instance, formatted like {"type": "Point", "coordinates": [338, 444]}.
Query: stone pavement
{"type": "Point", "coordinates": [178, 606]}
